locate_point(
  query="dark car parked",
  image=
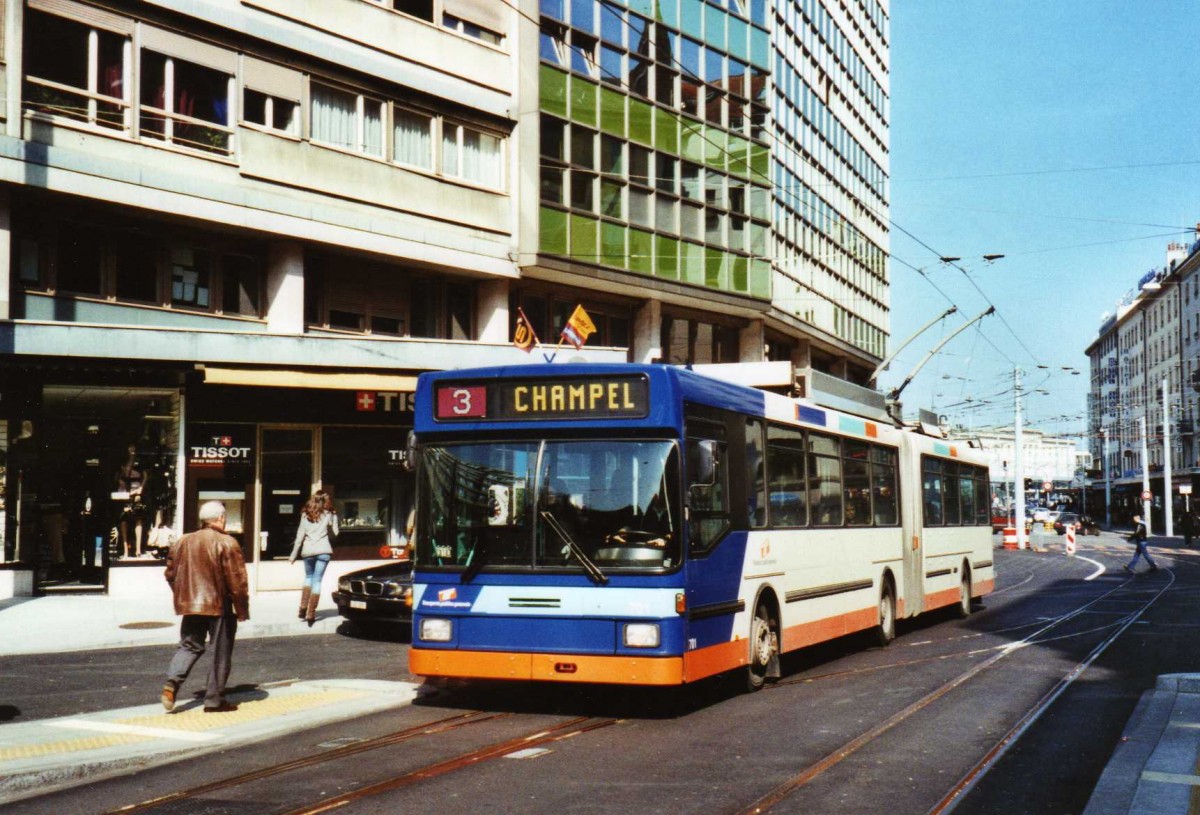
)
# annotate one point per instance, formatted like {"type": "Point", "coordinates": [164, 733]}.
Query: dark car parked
{"type": "Point", "coordinates": [377, 596]}
{"type": "Point", "coordinates": [1084, 525]}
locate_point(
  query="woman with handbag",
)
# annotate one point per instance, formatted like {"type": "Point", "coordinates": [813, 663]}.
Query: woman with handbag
{"type": "Point", "coordinates": [314, 543]}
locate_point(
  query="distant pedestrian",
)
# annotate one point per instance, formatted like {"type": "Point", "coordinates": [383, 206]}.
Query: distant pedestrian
{"type": "Point", "coordinates": [208, 578]}
{"type": "Point", "coordinates": [1187, 525]}
{"type": "Point", "coordinates": [314, 542]}
{"type": "Point", "coordinates": [1138, 536]}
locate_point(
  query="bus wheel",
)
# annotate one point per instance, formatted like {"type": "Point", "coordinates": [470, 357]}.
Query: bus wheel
{"type": "Point", "coordinates": [964, 596]}
{"type": "Point", "coordinates": [885, 632]}
{"type": "Point", "coordinates": [764, 647]}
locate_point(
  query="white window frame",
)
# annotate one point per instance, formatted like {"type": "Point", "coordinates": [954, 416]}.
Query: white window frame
{"type": "Point", "coordinates": [92, 92]}
{"type": "Point", "coordinates": [361, 101]}
{"type": "Point", "coordinates": [458, 127]}
{"type": "Point", "coordinates": [170, 116]}
{"type": "Point", "coordinates": [434, 137]}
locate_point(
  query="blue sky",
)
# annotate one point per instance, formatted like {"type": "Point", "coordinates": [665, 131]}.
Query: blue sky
{"type": "Point", "coordinates": [1062, 134]}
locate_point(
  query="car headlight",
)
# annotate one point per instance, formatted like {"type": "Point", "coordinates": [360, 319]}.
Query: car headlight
{"type": "Point", "coordinates": [435, 629]}
{"type": "Point", "coordinates": [396, 589]}
{"type": "Point", "coordinates": [642, 635]}
{"type": "Point", "coordinates": [343, 584]}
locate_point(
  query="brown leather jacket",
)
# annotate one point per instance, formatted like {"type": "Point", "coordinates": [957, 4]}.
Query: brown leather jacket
{"type": "Point", "coordinates": [206, 571]}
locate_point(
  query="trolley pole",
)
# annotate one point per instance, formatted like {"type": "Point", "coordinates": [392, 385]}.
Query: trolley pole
{"type": "Point", "coordinates": [1018, 474]}
{"type": "Point", "coordinates": [1107, 480]}
{"type": "Point", "coordinates": [1168, 487]}
{"type": "Point", "coordinates": [1145, 472]}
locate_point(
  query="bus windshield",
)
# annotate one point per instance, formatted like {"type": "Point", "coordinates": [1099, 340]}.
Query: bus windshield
{"type": "Point", "coordinates": [594, 506]}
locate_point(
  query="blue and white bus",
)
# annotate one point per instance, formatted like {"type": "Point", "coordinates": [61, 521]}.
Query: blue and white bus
{"type": "Point", "coordinates": [646, 524]}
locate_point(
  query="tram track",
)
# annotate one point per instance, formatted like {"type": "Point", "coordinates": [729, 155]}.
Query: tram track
{"type": "Point", "coordinates": [805, 776]}
{"type": "Point", "coordinates": [531, 739]}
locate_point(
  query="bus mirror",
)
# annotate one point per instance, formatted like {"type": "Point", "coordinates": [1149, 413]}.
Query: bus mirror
{"type": "Point", "coordinates": [706, 460]}
{"type": "Point", "coordinates": [409, 461]}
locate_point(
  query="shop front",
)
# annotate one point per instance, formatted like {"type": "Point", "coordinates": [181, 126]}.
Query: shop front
{"type": "Point", "coordinates": [88, 480]}
{"type": "Point", "coordinates": [262, 451]}
{"type": "Point", "coordinates": [101, 469]}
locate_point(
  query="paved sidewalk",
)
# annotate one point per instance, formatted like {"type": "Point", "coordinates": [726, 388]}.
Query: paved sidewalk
{"type": "Point", "coordinates": [39, 756]}
{"type": "Point", "coordinates": [55, 623]}
{"type": "Point", "coordinates": [1154, 769]}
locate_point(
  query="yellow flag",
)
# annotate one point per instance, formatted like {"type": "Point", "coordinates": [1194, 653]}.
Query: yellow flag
{"type": "Point", "coordinates": [578, 328]}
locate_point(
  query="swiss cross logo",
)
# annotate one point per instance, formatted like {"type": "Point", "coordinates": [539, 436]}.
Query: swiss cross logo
{"type": "Point", "coordinates": [225, 441]}
{"type": "Point", "coordinates": [365, 401]}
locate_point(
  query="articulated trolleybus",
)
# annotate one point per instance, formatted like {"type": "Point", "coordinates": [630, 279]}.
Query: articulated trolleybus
{"type": "Point", "coordinates": [649, 525]}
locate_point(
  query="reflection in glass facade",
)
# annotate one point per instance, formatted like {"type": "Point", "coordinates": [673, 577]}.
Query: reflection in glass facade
{"type": "Point", "coordinates": [729, 144]}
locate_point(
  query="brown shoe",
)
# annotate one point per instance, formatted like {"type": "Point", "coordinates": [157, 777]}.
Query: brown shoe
{"type": "Point", "coordinates": [168, 697]}
{"type": "Point", "coordinates": [224, 707]}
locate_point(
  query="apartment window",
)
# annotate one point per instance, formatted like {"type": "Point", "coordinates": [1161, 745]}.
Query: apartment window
{"type": "Point", "coordinates": [135, 268]}
{"type": "Point", "coordinates": [79, 262]}
{"type": "Point", "coordinates": [347, 120]}
{"type": "Point", "coordinates": [75, 71]}
{"type": "Point", "coordinates": [185, 104]}
{"type": "Point", "coordinates": [191, 278]}
{"type": "Point", "coordinates": [412, 138]}
{"type": "Point", "coordinates": [471, 30]}
{"type": "Point", "coordinates": [421, 9]}
{"type": "Point", "coordinates": [271, 112]}
{"type": "Point", "coordinates": [471, 155]}
{"type": "Point", "coordinates": [240, 285]}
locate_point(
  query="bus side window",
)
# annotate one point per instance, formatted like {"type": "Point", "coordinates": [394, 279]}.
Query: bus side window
{"type": "Point", "coordinates": [708, 492]}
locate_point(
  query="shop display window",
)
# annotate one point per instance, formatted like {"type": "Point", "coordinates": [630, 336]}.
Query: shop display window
{"type": "Point", "coordinates": [362, 468]}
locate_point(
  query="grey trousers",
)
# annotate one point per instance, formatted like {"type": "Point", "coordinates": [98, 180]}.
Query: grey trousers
{"type": "Point", "coordinates": [193, 631]}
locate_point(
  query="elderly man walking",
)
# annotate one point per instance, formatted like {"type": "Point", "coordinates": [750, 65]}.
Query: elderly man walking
{"type": "Point", "coordinates": [208, 577]}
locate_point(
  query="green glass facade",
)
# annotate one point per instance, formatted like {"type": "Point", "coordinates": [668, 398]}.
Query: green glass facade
{"type": "Point", "coordinates": [654, 129]}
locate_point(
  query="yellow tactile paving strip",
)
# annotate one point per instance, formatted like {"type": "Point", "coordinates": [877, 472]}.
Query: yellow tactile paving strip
{"type": "Point", "coordinates": [191, 720]}
{"type": "Point", "coordinates": [51, 748]}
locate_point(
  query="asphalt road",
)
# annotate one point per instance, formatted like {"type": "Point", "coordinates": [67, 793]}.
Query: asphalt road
{"type": "Point", "coordinates": [1043, 677]}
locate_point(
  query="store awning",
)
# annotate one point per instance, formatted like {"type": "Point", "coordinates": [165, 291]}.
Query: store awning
{"type": "Point", "coordinates": [273, 378]}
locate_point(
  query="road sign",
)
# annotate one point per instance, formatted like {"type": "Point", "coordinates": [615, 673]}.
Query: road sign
{"type": "Point", "coordinates": [1047, 486]}
{"type": "Point", "coordinates": [1070, 538]}
{"type": "Point", "coordinates": [1147, 495]}
{"type": "Point", "coordinates": [1185, 489]}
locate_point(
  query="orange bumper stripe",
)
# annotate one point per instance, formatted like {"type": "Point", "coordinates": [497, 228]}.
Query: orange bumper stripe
{"type": "Point", "coordinates": [983, 587]}
{"type": "Point", "coordinates": [622, 670]}
{"type": "Point", "coordinates": [938, 599]}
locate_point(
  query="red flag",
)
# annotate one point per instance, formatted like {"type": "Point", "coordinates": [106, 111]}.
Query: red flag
{"type": "Point", "coordinates": [524, 337]}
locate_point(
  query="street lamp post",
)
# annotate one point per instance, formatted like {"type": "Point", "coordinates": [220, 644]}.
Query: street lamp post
{"type": "Point", "coordinates": [1018, 475]}
{"type": "Point", "coordinates": [1168, 509]}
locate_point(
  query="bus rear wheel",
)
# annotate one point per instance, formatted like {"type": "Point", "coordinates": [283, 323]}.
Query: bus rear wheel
{"type": "Point", "coordinates": [885, 631]}
{"type": "Point", "coordinates": [764, 648]}
{"type": "Point", "coordinates": [964, 597]}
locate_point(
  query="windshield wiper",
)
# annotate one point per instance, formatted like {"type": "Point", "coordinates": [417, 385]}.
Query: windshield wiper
{"type": "Point", "coordinates": [475, 560]}
{"type": "Point", "coordinates": [588, 566]}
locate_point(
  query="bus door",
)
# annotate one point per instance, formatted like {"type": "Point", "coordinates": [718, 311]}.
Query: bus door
{"type": "Point", "coordinates": [912, 593]}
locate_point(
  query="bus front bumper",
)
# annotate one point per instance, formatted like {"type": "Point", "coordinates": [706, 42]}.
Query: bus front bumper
{"type": "Point", "coordinates": [622, 670]}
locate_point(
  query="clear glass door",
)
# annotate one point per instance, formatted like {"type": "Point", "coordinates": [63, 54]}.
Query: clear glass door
{"type": "Point", "coordinates": [287, 479]}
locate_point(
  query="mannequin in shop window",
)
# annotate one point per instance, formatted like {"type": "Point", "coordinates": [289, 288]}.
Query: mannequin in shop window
{"type": "Point", "coordinates": [131, 486]}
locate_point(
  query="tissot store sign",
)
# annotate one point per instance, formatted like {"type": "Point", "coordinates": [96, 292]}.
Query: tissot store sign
{"type": "Point", "coordinates": [225, 403]}
{"type": "Point", "coordinates": [219, 448]}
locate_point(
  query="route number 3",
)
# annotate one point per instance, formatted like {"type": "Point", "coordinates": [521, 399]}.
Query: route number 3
{"type": "Point", "coordinates": [462, 402]}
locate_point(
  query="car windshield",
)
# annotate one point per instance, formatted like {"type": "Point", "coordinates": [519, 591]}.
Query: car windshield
{"type": "Point", "coordinates": [593, 506]}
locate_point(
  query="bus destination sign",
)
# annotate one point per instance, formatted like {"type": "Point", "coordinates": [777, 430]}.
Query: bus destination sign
{"type": "Point", "coordinates": [610, 397]}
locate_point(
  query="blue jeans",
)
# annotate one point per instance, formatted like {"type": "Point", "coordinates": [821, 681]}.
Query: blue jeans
{"type": "Point", "coordinates": [1141, 552]}
{"type": "Point", "coordinates": [314, 571]}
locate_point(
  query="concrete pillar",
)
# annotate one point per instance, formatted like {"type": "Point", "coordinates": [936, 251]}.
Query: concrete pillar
{"type": "Point", "coordinates": [491, 311]}
{"type": "Point", "coordinates": [840, 367]}
{"type": "Point", "coordinates": [802, 354]}
{"type": "Point", "coordinates": [285, 288]}
{"type": "Point", "coordinates": [647, 332]}
{"type": "Point", "coordinates": [6, 255]}
{"type": "Point", "coordinates": [752, 342]}
{"type": "Point", "coordinates": [14, 61]}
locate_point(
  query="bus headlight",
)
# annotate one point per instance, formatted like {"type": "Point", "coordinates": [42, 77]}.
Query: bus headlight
{"type": "Point", "coordinates": [642, 635]}
{"type": "Point", "coordinates": [436, 630]}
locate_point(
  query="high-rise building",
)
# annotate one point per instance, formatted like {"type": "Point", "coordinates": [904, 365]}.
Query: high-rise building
{"type": "Point", "coordinates": [232, 232]}
{"type": "Point", "coordinates": [717, 170]}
